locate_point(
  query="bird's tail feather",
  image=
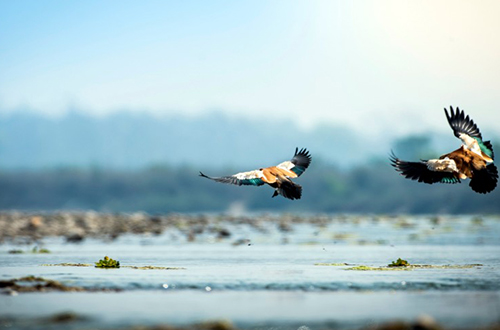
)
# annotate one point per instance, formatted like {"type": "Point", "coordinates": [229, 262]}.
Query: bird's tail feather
{"type": "Point", "coordinates": [485, 180]}
{"type": "Point", "coordinates": [289, 189]}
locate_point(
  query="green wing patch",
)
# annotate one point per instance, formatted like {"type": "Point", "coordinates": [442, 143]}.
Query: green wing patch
{"type": "Point", "coordinates": [485, 147]}
{"type": "Point", "coordinates": [450, 179]}
{"type": "Point", "coordinates": [252, 182]}
{"type": "Point", "coordinates": [298, 170]}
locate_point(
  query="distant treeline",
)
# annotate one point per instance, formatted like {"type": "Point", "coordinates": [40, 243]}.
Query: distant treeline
{"type": "Point", "coordinates": [132, 141]}
{"type": "Point", "coordinates": [373, 188]}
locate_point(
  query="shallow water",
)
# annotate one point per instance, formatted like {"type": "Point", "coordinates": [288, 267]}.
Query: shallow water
{"type": "Point", "coordinates": [273, 276]}
{"type": "Point", "coordinates": [257, 309]}
{"type": "Point", "coordinates": [270, 267]}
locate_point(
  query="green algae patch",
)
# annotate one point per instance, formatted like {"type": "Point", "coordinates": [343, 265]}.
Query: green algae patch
{"type": "Point", "coordinates": [35, 250]}
{"type": "Point", "coordinates": [335, 264]}
{"type": "Point", "coordinates": [411, 267]}
{"type": "Point", "coordinates": [365, 268]}
{"type": "Point", "coordinates": [107, 262]}
{"type": "Point", "coordinates": [111, 263]}
{"type": "Point", "coordinates": [68, 264]}
{"type": "Point", "coordinates": [153, 267]}
{"type": "Point", "coordinates": [445, 266]}
{"type": "Point", "coordinates": [399, 263]}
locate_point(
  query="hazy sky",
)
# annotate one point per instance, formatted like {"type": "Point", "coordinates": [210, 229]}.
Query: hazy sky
{"type": "Point", "coordinates": [363, 63]}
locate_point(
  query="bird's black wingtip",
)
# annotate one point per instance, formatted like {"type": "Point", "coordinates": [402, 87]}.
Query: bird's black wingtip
{"type": "Point", "coordinates": [456, 114]}
{"type": "Point", "coordinates": [392, 157]}
{"type": "Point", "coordinates": [303, 152]}
{"type": "Point", "coordinates": [447, 114]}
{"type": "Point", "coordinates": [462, 123]}
{"type": "Point", "coordinates": [452, 114]}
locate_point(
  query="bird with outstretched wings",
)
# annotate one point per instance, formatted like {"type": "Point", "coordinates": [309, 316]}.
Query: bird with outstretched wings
{"type": "Point", "coordinates": [473, 160]}
{"type": "Point", "coordinates": [279, 176]}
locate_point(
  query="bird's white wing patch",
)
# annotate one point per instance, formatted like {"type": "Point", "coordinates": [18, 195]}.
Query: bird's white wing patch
{"type": "Point", "coordinates": [470, 143]}
{"type": "Point", "coordinates": [442, 165]}
{"type": "Point", "coordinates": [249, 175]}
{"type": "Point", "coordinates": [288, 165]}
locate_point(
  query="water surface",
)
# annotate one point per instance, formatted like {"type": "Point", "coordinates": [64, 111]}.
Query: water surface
{"type": "Point", "coordinates": [269, 274]}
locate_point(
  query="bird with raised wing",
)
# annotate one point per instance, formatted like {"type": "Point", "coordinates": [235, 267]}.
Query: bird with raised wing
{"type": "Point", "coordinates": [473, 160]}
{"type": "Point", "coordinates": [279, 176]}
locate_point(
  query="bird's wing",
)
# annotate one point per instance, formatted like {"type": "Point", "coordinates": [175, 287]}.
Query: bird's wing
{"type": "Point", "coordinates": [299, 163]}
{"type": "Point", "coordinates": [429, 171]}
{"type": "Point", "coordinates": [250, 178]}
{"type": "Point", "coordinates": [487, 148]}
{"type": "Point", "coordinates": [460, 123]}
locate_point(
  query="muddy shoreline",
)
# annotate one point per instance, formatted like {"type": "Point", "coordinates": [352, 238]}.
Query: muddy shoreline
{"type": "Point", "coordinates": [76, 226]}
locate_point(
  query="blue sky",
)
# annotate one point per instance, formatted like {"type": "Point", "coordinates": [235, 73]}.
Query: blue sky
{"type": "Point", "coordinates": [367, 64]}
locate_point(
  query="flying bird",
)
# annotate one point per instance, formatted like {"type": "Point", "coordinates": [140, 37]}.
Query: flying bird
{"type": "Point", "coordinates": [473, 160]}
{"type": "Point", "coordinates": [279, 176]}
